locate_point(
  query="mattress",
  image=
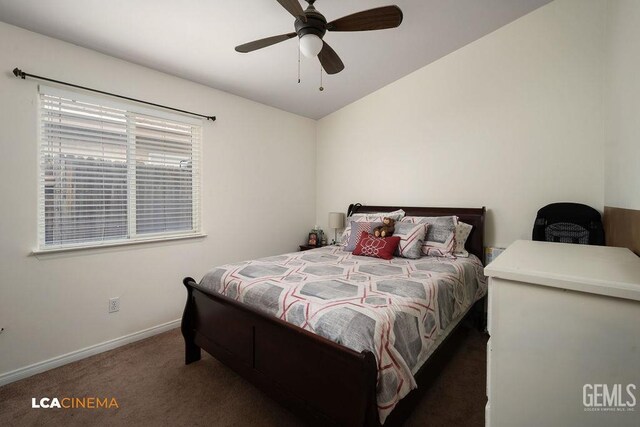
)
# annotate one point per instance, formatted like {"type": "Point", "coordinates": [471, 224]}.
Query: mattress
{"type": "Point", "coordinates": [398, 309]}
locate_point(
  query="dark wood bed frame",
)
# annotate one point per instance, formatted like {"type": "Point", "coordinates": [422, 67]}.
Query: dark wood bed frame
{"type": "Point", "coordinates": [324, 382]}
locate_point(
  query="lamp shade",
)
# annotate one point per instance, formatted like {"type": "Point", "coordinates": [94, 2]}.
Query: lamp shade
{"type": "Point", "coordinates": [310, 45]}
{"type": "Point", "coordinates": [336, 220]}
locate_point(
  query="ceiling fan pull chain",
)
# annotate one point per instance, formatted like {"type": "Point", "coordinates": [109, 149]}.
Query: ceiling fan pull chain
{"type": "Point", "coordinates": [321, 87]}
{"type": "Point", "coordinates": [298, 61]}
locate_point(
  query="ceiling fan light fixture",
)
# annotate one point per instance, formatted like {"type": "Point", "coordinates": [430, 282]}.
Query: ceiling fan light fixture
{"type": "Point", "coordinates": [310, 45]}
{"type": "Point", "coordinates": [311, 26]}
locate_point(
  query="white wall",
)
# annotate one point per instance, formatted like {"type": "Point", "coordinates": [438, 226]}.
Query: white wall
{"type": "Point", "coordinates": [622, 95]}
{"type": "Point", "coordinates": [258, 199]}
{"type": "Point", "coordinates": [512, 121]}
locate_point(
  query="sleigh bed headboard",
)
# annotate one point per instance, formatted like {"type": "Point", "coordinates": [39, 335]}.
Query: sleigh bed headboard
{"type": "Point", "coordinates": [472, 216]}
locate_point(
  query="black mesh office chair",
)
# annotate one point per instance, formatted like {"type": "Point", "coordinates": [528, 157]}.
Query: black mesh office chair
{"type": "Point", "coordinates": [569, 223]}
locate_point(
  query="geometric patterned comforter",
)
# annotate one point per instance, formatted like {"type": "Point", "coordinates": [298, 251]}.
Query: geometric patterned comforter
{"type": "Point", "coordinates": [396, 309]}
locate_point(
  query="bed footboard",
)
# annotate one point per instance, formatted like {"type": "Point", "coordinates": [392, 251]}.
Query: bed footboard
{"type": "Point", "coordinates": [192, 352]}
{"type": "Point", "coordinates": [314, 377]}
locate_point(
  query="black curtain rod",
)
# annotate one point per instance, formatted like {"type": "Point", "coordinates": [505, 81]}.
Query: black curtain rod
{"type": "Point", "coordinates": [19, 73]}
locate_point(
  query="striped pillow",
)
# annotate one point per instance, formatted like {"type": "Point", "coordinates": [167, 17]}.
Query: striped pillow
{"type": "Point", "coordinates": [356, 231]}
{"type": "Point", "coordinates": [440, 239]}
{"type": "Point", "coordinates": [411, 239]}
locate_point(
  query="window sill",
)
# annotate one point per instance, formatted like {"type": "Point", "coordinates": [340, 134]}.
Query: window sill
{"type": "Point", "coordinates": [117, 244]}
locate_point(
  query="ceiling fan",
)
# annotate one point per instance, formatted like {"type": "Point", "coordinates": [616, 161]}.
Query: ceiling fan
{"type": "Point", "coordinates": [311, 27]}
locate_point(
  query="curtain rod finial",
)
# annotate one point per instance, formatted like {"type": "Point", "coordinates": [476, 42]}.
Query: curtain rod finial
{"type": "Point", "coordinates": [212, 118]}
{"type": "Point", "coordinates": [19, 73]}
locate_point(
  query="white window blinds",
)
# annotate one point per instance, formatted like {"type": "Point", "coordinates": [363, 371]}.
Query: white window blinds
{"type": "Point", "coordinates": [114, 172]}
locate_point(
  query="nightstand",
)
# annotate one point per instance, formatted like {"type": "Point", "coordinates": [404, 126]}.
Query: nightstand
{"type": "Point", "coordinates": [307, 247]}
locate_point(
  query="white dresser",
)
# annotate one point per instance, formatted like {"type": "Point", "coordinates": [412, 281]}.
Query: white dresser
{"type": "Point", "coordinates": [564, 322]}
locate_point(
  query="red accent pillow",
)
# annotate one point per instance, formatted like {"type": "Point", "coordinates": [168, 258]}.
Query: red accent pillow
{"type": "Point", "coordinates": [377, 247]}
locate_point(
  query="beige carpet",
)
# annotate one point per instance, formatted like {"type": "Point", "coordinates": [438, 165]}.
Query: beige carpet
{"type": "Point", "coordinates": [154, 387]}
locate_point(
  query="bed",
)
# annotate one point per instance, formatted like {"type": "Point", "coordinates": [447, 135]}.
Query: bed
{"type": "Point", "coordinates": [337, 338]}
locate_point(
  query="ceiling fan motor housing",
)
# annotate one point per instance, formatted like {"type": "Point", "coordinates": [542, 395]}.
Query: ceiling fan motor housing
{"type": "Point", "coordinates": [316, 23]}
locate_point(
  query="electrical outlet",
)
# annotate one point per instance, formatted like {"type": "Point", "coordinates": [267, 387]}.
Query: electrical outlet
{"type": "Point", "coordinates": [114, 305]}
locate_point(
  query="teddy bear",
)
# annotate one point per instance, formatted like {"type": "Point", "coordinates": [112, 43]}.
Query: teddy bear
{"type": "Point", "coordinates": [386, 229]}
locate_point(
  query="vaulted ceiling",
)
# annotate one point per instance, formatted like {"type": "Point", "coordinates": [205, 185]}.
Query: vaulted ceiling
{"type": "Point", "coordinates": [195, 39]}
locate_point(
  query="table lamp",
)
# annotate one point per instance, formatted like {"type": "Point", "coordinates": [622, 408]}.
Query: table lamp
{"type": "Point", "coordinates": [336, 220]}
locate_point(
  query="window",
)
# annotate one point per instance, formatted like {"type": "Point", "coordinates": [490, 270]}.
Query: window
{"type": "Point", "coordinates": [113, 173]}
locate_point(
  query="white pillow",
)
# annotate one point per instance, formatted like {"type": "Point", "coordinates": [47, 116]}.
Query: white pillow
{"type": "Point", "coordinates": [462, 234]}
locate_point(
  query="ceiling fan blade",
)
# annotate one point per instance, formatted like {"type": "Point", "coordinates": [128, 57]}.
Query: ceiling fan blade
{"type": "Point", "coordinates": [259, 44]}
{"type": "Point", "coordinates": [330, 60]}
{"type": "Point", "coordinates": [294, 8]}
{"type": "Point", "coordinates": [379, 18]}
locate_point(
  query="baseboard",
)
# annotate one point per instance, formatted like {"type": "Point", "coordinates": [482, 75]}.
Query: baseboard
{"type": "Point", "coordinates": [55, 362]}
